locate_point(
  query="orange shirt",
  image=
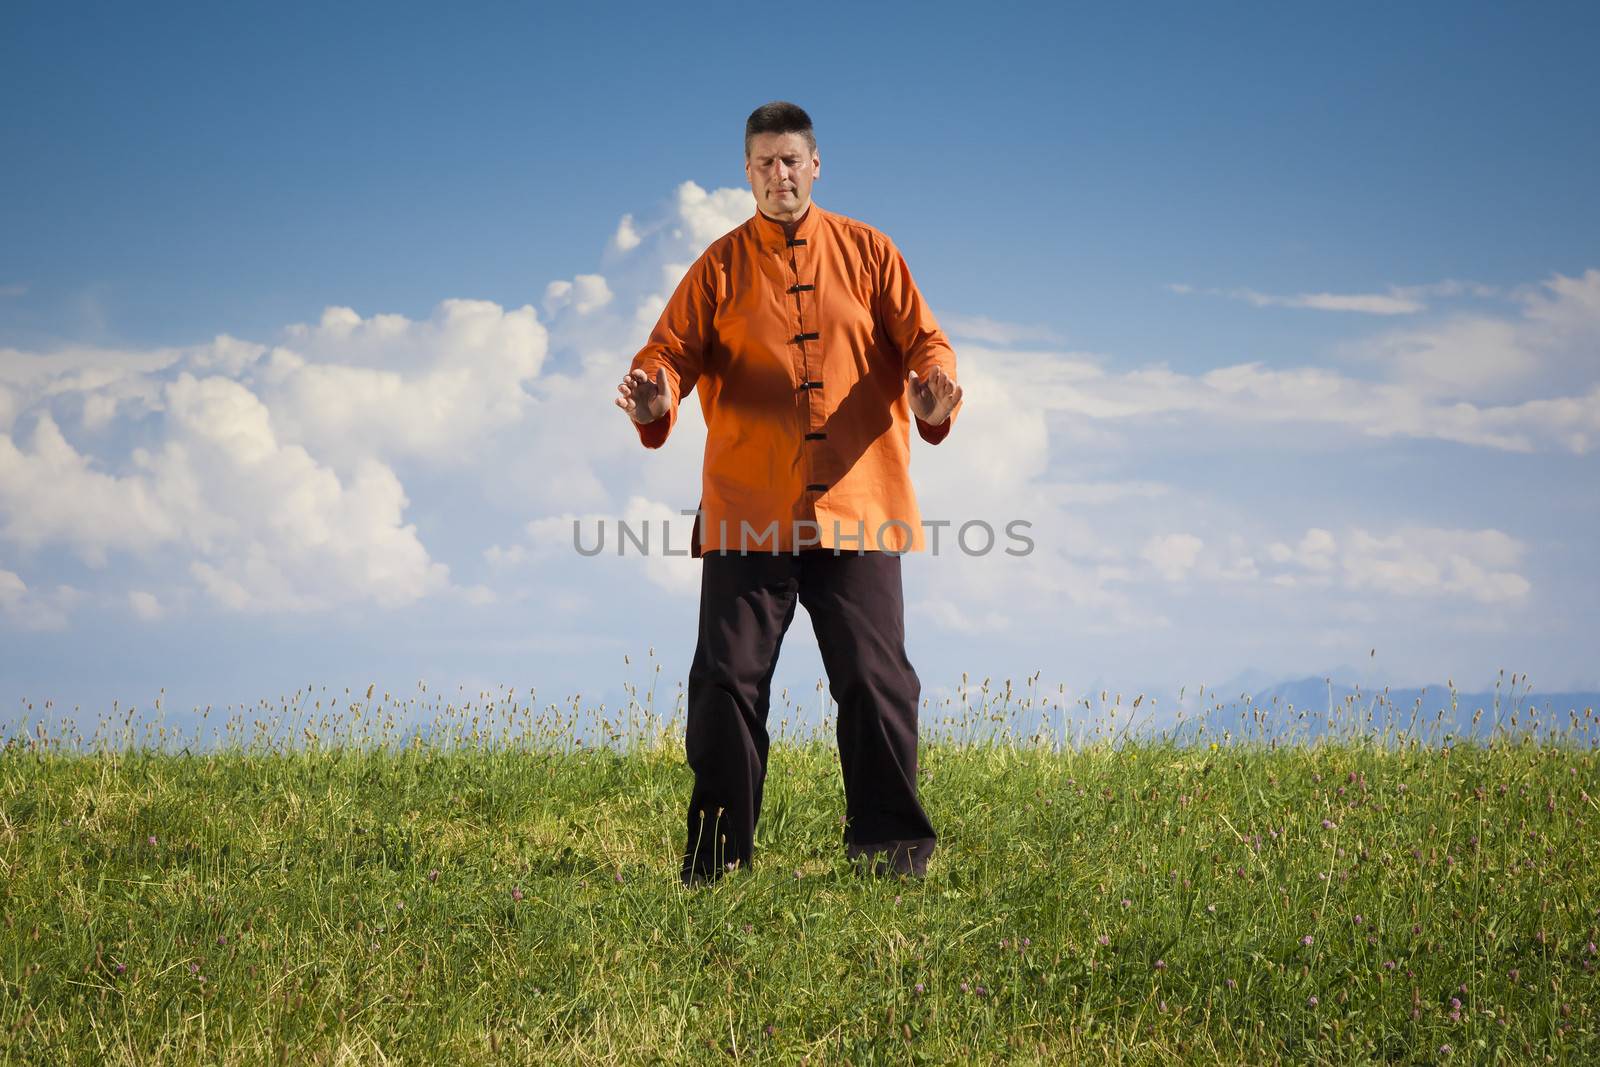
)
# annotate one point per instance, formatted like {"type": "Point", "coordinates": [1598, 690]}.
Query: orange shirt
{"type": "Point", "coordinates": [800, 351]}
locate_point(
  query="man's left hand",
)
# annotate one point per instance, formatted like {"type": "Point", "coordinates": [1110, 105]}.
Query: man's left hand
{"type": "Point", "coordinates": [933, 398]}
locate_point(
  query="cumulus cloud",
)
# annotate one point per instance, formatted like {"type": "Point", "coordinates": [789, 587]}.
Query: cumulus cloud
{"type": "Point", "coordinates": [1467, 356]}
{"type": "Point", "coordinates": [1411, 561]}
{"type": "Point", "coordinates": [583, 294]}
{"type": "Point", "coordinates": [648, 534]}
{"type": "Point", "coordinates": [1397, 300]}
{"type": "Point", "coordinates": [950, 616]}
{"type": "Point", "coordinates": [391, 388]}
{"type": "Point", "coordinates": [1547, 344]}
{"type": "Point", "coordinates": [1076, 385]}
{"type": "Point", "coordinates": [704, 216]}
{"type": "Point", "coordinates": [993, 331]}
{"type": "Point", "coordinates": [1368, 303]}
{"type": "Point", "coordinates": [296, 537]}
{"type": "Point", "coordinates": [52, 494]}
{"type": "Point", "coordinates": [27, 609]}
{"type": "Point", "coordinates": [626, 239]}
{"type": "Point", "coordinates": [146, 605]}
{"type": "Point", "coordinates": [1172, 555]}
{"type": "Point", "coordinates": [1313, 552]}
{"type": "Point", "coordinates": [1420, 561]}
{"type": "Point", "coordinates": [268, 469]}
{"type": "Point", "coordinates": [264, 524]}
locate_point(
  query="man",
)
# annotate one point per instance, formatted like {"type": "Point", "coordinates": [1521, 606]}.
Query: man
{"type": "Point", "coordinates": [812, 351]}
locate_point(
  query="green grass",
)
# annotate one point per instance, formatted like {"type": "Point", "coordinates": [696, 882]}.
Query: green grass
{"type": "Point", "coordinates": [356, 899]}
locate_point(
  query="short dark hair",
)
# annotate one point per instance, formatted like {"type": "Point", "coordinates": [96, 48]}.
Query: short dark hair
{"type": "Point", "coordinates": [780, 116]}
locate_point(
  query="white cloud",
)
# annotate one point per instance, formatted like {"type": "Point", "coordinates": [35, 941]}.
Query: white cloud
{"type": "Point", "coordinates": [477, 595]}
{"type": "Point", "coordinates": [1448, 287]}
{"type": "Point", "coordinates": [1004, 442]}
{"type": "Point", "coordinates": [504, 557]}
{"type": "Point", "coordinates": [387, 387]}
{"type": "Point", "coordinates": [1567, 307]}
{"type": "Point", "coordinates": [266, 525]}
{"type": "Point", "coordinates": [1398, 300]}
{"type": "Point", "coordinates": [1467, 356]}
{"type": "Point", "coordinates": [679, 574]}
{"type": "Point", "coordinates": [652, 529]}
{"type": "Point", "coordinates": [705, 216]}
{"type": "Point", "coordinates": [585, 293]}
{"type": "Point", "coordinates": [993, 331]}
{"type": "Point", "coordinates": [286, 532]}
{"type": "Point", "coordinates": [1548, 346]}
{"type": "Point", "coordinates": [587, 535]}
{"type": "Point", "coordinates": [1314, 552]}
{"type": "Point", "coordinates": [1367, 303]}
{"type": "Point", "coordinates": [1410, 562]}
{"type": "Point", "coordinates": [626, 239]}
{"type": "Point", "coordinates": [52, 494]}
{"type": "Point", "coordinates": [1417, 561]}
{"type": "Point", "coordinates": [952, 617]}
{"type": "Point", "coordinates": [28, 610]}
{"type": "Point", "coordinates": [1172, 555]}
{"type": "Point", "coordinates": [125, 381]}
{"type": "Point", "coordinates": [1101, 492]}
{"type": "Point", "coordinates": [145, 605]}
{"type": "Point", "coordinates": [1076, 386]}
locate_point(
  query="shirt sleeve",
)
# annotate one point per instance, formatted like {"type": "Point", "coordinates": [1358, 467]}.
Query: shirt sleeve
{"type": "Point", "coordinates": [915, 332]}
{"type": "Point", "coordinates": [678, 343]}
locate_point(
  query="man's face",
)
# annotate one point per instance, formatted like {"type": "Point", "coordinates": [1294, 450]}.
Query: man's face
{"type": "Point", "coordinates": [781, 168]}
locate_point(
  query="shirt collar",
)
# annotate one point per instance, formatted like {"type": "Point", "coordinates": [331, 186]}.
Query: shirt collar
{"type": "Point", "coordinates": [770, 231]}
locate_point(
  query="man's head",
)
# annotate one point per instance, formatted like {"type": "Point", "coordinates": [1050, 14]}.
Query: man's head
{"type": "Point", "coordinates": [780, 159]}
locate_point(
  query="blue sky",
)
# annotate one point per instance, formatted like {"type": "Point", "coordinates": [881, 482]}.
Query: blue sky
{"type": "Point", "coordinates": [1279, 323]}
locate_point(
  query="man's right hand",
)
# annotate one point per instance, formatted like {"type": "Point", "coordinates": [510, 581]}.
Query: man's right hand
{"type": "Point", "coordinates": [645, 400]}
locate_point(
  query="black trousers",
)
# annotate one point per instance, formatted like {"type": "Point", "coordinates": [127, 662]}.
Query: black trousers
{"type": "Point", "coordinates": [857, 609]}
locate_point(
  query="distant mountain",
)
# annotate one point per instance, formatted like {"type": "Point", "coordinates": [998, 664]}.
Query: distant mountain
{"type": "Point", "coordinates": [1314, 707]}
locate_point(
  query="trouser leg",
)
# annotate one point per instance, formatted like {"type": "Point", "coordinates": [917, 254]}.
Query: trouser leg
{"type": "Point", "coordinates": [856, 604]}
{"type": "Point", "coordinates": [746, 605]}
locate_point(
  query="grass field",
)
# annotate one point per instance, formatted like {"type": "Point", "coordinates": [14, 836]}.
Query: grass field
{"type": "Point", "coordinates": [497, 896]}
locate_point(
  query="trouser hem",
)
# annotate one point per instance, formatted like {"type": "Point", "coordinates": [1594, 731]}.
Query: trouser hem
{"type": "Point", "coordinates": [909, 857]}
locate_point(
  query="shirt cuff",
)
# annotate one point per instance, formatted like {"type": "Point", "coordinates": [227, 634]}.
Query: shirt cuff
{"type": "Point", "coordinates": [930, 433]}
{"type": "Point", "coordinates": [654, 434]}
